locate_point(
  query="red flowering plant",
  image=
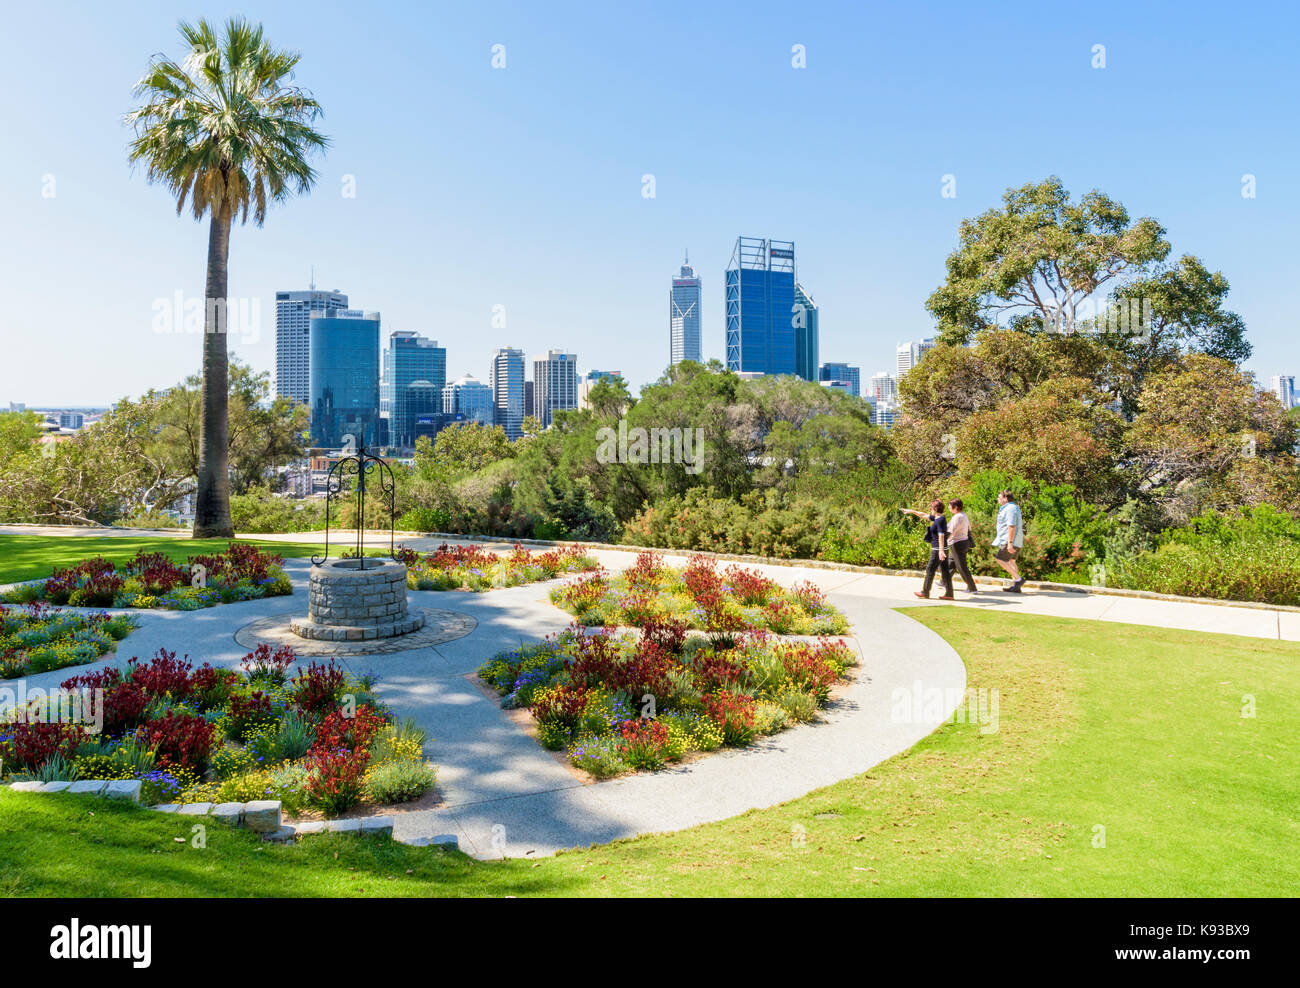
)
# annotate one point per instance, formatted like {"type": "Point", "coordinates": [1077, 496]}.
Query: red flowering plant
{"type": "Point", "coordinates": [644, 743]}
{"type": "Point", "coordinates": [584, 593]}
{"type": "Point", "coordinates": [355, 733]}
{"type": "Point", "coordinates": [811, 667]}
{"type": "Point", "coordinates": [125, 701]}
{"type": "Point", "coordinates": [210, 687]}
{"type": "Point", "coordinates": [718, 671]}
{"type": "Point", "coordinates": [157, 574]}
{"type": "Point", "coordinates": [562, 705]}
{"type": "Point", "coordinates": [248, 712]}
{"type": "Point", "coordinates": [30, 745]}
{"type": "Point", "coordinates": [335, 778]}
{"type": "Point", "coordinates": [734, 713]}
{"type": "Point", "coordinates": [267, 663]}
{"type": "Point", "coordinates": [647, 572]}
{"type": "Point", "coordinates": [702, 580]}
{"type": "Point", "coordinates": [179, 740]}
{"type": "Point", "coordinates": [318, 687]}
{"type": "Point", "coordinates": [749, 586]}
{"type": "Point", "coordinates": [668, 633]}
{"type": "Point", "coordinates": [163, 675]}
{"type": "Point", "coordinates": [809, 596]}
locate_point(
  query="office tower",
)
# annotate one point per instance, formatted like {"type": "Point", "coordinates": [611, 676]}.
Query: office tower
{"type": "Point", "coordinates": [470, 397]}
{"type": "Point", "coordinates": [852, 376]}
{"type": "Point", "coordinates": [71, 420]}
{"type": "Point", "coordinates": [409, 359]}
{"type": "Point", "coordinates": [293, 312]}
{"type": "Point", "coordinates": [684, 339]}
{"type": "Point", "coordinates": [589, 381]}
{"type": "Point", "coordinates": [884, 415]}
{"type": "Point", "coordinates": [805, 318]}
{"type": "Point", "coordinates": [530, 400]}
{"type": "Point", "coordinates": [555, 384]}
{"type": "Point", "coordinates": [344, 391]}
{"type": "Point", "coordinates": [910, 354]}
{"type": "Point", "coordinates": [759, 293]}
{"type": "Point", "coordinates": [1284, 388]}
{"type": "Point", "coordinates": [884, 387]}
{"type": "Point", "coordinates": [506, 378]}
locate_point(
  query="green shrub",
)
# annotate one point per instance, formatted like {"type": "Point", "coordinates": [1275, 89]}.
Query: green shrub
{"type": "Point", "coordinates": [398, 781]}
{"type": "Point", "coordinates": [424, 520]}
{"type": "Point", "coordinates": [799, 704]}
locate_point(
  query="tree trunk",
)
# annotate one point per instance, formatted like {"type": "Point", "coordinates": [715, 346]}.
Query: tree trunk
{"type": "Point", "coordinates": [212, 501]}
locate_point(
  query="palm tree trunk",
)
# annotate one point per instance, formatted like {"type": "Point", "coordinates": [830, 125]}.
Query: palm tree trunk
{"type": "Point", "coordinates": [212, 504]}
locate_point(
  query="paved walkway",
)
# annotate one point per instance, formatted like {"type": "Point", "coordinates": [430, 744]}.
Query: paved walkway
{"type": "Point", "coordinates": [503, 794]}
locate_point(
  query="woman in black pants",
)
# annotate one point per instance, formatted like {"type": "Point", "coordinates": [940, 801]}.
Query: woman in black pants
{"type": "Point", "coordinates": [937, 535]}
{"type": "Point", "coordinates": [960, 542]}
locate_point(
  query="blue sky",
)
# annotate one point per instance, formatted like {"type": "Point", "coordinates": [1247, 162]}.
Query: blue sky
{"type": "Point", "coordinates": [521, 186]}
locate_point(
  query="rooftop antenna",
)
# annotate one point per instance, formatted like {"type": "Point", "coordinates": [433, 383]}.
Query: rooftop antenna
{"type": "Point", "coordinates": [688, 257]}
{"type": "Point", "coordinates": [313, 277]}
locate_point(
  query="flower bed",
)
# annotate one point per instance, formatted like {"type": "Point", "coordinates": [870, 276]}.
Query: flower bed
{"type": "Point", "coordinates": [731, 600]}
{"type": "Point", "coordinates": [619, 702]}
{"type": "Point", "coordinates": [150, 579]}
{"type": "Point", "coordinates": [38, 638]}
{"type": "Point", "coordinates": [319, 741]}
{"type": "Point", "coordinates": [469, 567]}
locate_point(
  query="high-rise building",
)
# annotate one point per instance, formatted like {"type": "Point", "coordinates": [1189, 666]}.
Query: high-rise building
{"type": "Point", "coordinates": [344, 393]}
{"type": "Point", "coordinates": [409, 359]}
{"type": "Point", "coordinates": [468, 396]}
{"type": "Point", "coordinates": [684, 316]}
{"type": "Point", "coordinates": [506, 378]}
{"type": "Point", "coordinates": [910, 354]}
{"type": "Point", "coordinates": [759, 294]}
{"type": "Point", "coordinates": [805, 318]}
{"type": "Point", "coordinates": [293, 312]}
{"type": "Point", "coordinates": [530, 400]}
{"type": "Point", "coordinates": [589, 381]}
{"type": "Point", "coordinates": [555, 384]}
{"type": "Point", "coordinates": [852, 376]}
{"type": "Point", "coordinates": [1284, 388]}
{"type": "Point", "coordinates": [883, 388]}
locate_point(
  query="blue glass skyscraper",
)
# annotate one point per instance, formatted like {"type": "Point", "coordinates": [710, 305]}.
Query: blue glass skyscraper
{"type": "Point", "coordinates": [409, 360]}
{"type": "Point", "coordinates": [759, 294]}
{"type": "Point", "coordinates": [345, 378]}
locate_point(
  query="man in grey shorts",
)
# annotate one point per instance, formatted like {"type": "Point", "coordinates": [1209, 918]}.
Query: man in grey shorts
{"type": "Point", "coordinates": [1009, 539]}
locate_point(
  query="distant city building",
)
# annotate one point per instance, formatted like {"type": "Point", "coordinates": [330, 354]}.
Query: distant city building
{"type": "Point", "coordinates": [431, 423]}
{"type": "Point", "coordinates": [759, 308]}
{"type": "Point", "coordinates": [468, 396]}
{"type": "Point", "coordinates": [910, 354]}
{"type": "Point", "coordinates": [883, 387]}
{"type": "Point", "coordinates": [805, 319]}
{"type": "Point", "coordinates": [1284, 388]}
{"type": "Point", "coordinates": [555, 384]}
{"type": "Point", "coordinates": [884, 415]}
{"type": "Point", "coordinates": [17, 406]}
{"type": "Point", "coordinates": [506, 378]}
{"type": "Point", "coordinates": [530, 401]}
{"type": "Point", "coordinates": [684, 300]}
{"type": "Point", "coordinates": [71, 420]}
{"type": "Point", "coordinates": [589, 381]}
{"type": "Point", "coordinates": [410, 359]}
{"type": "Point", "coordinates": [845, 386]}
{"type": "Point", "coordinates": [293, 312]}
{"type": "Point", "coordinates": [344, 391]}
{"type": "Point", "coordinates": [842, 372]}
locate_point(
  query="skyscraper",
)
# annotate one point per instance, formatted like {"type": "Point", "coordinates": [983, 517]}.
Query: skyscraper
{"type": "Point", "coordinates": [293, 312]}
{"type": "Point", "coordinates": [589, 381]}
{"type": "Point", "coordinates": [852, 376]}
{"type": "Point", "coordinates": [409, 359]}
{"type": "Point", "coordinates": [468, 396]}
{"type": "Point", "coordinates": [684, 316]}
{"type": "Point", "coordinates": [1284, 388]}
{"type": "Point", "coordinates": [344, 390]}
{"type": "Point", "coordinates": [555, 384]}
{"type": "Point", "coordinates": [759, 293]}
{"type": "Point", "coordinates": [884, 388]}
{"type": "Point", "coordinates": [805, 318]}
{"type": "Point", "coordinates": [910, 354]}
{"type": "Point", "coordinates": [506, 378]}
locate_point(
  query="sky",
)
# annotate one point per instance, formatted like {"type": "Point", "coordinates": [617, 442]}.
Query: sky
{"type": "Point", "coordinates": [478, 187]}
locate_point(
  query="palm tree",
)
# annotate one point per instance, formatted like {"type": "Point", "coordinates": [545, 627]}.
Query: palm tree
{"type": "Point", "coordinates": [226, 130]}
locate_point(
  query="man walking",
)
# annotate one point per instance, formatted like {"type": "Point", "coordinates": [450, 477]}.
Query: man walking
{"type": "Point", "coordinates": [1009, 539]}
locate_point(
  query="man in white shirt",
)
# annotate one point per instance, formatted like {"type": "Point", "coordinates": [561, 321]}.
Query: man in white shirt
{"type": "Point", "coordinates": [1009, 539]}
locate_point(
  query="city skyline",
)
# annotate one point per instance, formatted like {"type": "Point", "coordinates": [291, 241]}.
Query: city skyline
{"type": "Point", "coordinates": [533, 195]}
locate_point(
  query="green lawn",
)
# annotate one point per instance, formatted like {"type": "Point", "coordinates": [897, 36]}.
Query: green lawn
{"type": "Point", "coordinates": [31, 557]}
{"type": "Point", "coordinates": [1139, 730]}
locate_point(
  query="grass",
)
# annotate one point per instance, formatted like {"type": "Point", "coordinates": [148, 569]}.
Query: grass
{"type": "Point", "coordinates": [32, 557]}
{"type": "Point", "coordinates": [1139, 730]}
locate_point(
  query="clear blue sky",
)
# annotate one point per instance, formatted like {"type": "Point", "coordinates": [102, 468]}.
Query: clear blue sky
{"type": "Point", "coordinates": [522, 186]}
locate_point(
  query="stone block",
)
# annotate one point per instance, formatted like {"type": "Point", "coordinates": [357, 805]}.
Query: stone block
{"type": "Point", "coordinates": [345, 826]}
{"type": "Point", "coordinates": [126, 789]}
{"type": "Point", "coordinates": [262, 815]}
{"type": "Point", "coordinates": [94, 787]}
{"type": "Point", "coordinates": [27, 786]}
{"type": "Point", "coordinates": [168, 807]}
{"type": "Point", "coordinates": [310, 827]}
{"type": "Point", "coordinates": [59, 786]}
{"type": "Point", "coordinates": [231, 813]}
{"type": "Point", "coordinates": [195, 809]}
{"type": "Point", "coordinates": [377, 825]}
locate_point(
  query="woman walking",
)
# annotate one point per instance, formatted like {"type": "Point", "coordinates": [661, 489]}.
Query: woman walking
{"type": "Point", "coordinates": [937, 535]}
{"type": "Point", "coordinates": [961, 541]}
